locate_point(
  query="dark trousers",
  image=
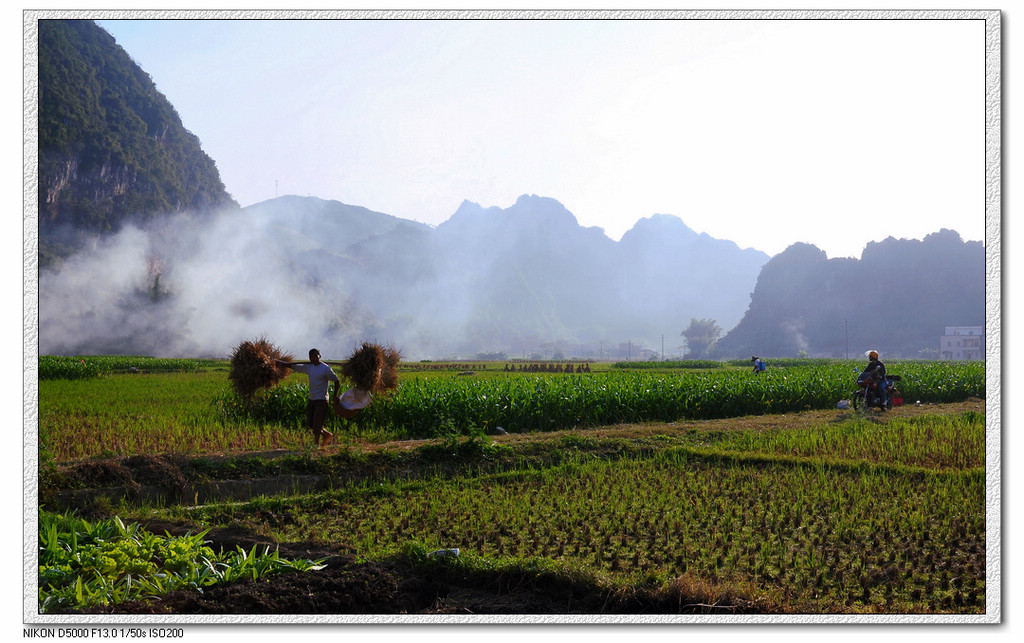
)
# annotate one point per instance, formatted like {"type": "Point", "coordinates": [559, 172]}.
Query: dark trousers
{"type": "Point", "coordinates": [316, 414]}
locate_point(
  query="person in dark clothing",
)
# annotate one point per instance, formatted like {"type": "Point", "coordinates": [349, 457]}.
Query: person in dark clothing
{"type": "Point", "coordinates": [875, 370]}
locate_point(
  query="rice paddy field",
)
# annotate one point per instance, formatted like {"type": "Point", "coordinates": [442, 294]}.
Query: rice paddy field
{"type": "Point", "coordinates": [701, 487]}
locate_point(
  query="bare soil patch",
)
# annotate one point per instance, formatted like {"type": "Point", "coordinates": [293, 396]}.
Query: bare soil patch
{"type": "Point", "coordinates": [348, 586]}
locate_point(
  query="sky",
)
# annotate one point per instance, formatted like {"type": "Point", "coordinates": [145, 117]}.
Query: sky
{"type": "Point", "coordinates": [764, 132]}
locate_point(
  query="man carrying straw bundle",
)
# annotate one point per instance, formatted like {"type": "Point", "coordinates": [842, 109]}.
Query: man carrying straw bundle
{"type": "Point", "coordinates": [320, 376]}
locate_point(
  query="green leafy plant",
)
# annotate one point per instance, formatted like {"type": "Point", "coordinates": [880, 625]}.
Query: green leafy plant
{"type": "Point", "coordinates": [84, 564]}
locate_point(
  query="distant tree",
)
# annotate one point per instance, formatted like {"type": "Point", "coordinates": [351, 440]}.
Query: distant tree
{"type": "Point", "coordinates": [700, 336]}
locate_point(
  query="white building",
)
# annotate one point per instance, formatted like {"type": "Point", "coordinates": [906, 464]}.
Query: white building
{"type": "Point", "coordinates": [963, 342]}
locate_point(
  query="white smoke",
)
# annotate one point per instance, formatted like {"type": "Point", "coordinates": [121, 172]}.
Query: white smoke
{"type": "Point", "coordinates": [795, 330]}
{"type": "Point", "coordinates": [199, 290]}
{"type": "Point", "coordinates": [310, 273]}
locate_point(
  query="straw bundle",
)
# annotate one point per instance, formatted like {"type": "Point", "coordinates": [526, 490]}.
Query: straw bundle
{"type": "Point", "coordinates": [253, 366]}
{"type": "Point", "coordinates": [373, 368]}
{"type": "Point", "coordinates": [389, 372]}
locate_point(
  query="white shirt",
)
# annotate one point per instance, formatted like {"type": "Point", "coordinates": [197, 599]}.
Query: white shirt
{"type": "Point", "coordinates": [320, 378]}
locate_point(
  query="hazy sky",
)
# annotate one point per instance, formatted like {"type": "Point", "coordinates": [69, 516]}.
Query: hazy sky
{"type": "Point", "coordinates": [764, 132]}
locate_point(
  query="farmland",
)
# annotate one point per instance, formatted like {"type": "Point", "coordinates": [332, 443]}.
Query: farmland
{"type": "Point", "coordinates": [703, 489]}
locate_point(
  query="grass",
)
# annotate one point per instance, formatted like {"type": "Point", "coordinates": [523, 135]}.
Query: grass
{"type": "Point", "coordinates": [932, 441]}
{"type": "Point", "coordinates": [124, 414]}
{"type": "Point", "coordinates": [879, 536]}
{"type": "Point", "coordinates": [196, 412]}
{"type": "Point", "coordinates": [718, 512]}
{"type": "Point", "coordinates": [820, 511]}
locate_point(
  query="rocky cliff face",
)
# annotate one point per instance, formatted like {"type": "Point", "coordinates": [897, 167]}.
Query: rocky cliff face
{"type": "Point", "coordinates": [111, 147]}
{"type": "Point", "coordinates": [65, 185]}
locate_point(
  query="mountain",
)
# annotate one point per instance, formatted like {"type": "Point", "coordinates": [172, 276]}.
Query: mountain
{"type": "Point", "coordinates": [897, 298]}
{"type": "Point", "coordinates": [534, 277]}
{"type": "Point", "coordinates": [529, 274]}
{"type": "Point", "coordinates": [520, 280]}
{"type": "Point", "coordinates": [667, 271]}
{"type": "Point", "coordinates": [111, 148]}
{"type": "Point", "coordinates": [526, 281]}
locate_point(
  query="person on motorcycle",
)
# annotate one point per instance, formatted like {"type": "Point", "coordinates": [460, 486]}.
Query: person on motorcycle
{"type": "Point", "coordinates": [875, 370]}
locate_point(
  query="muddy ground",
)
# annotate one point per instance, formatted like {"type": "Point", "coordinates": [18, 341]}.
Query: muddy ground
{"type": "Point", "coordinates": [348, 587]}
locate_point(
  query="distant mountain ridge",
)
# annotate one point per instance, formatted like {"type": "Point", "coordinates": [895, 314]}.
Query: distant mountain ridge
{"type": "Point", "coordinates": [529, 279]}
{"type": "Point", "coordinates": [519, 278]}
{"type": "Point", "coordinates": [142, 251]}
{"type": "Point", "coordinates": [897, 298]}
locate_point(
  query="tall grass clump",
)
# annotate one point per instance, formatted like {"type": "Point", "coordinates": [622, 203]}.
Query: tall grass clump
{"type": "Point", "coordinates": [254, 366]}
{"type": "Point", "coordinates": [373, 368]}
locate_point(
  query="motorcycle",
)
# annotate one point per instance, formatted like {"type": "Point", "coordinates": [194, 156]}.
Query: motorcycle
{"type": "Point", "coordinates": [870, 395]}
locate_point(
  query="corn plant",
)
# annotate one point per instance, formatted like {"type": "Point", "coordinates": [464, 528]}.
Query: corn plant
{"type": "Point", "coordinates": [540, 403]}
{"type": "Point", "coordinates": [189, 412]}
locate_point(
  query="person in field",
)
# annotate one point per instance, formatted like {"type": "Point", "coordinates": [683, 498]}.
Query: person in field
{"type": "Point", "coordinates": [875, 370]}
{"type": "Point", "coordinates": [758, 364]}
{"type": "Point", "coordinates": [320, 377]}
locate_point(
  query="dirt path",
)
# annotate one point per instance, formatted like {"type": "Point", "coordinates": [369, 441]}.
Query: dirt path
{"type": "Point", "coordinates": [765, 422]}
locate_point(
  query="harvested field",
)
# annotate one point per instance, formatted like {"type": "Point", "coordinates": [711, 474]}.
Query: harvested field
{"type": "Point", "coordinates": [348, 586]}
{"type": "Point", "coordinates": [351, 584]}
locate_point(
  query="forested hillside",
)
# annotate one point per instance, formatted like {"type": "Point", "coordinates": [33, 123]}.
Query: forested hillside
{"type": "Point", "coordinates": [112, 149]}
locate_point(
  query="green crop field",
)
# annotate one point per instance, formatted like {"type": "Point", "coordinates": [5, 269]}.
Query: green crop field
{"type": "Point", "coordinates": [194, 410]}
{"type": "Point", "coordinates": [810, 536]}
{"type": "Point", "coordinates": [705, 480]}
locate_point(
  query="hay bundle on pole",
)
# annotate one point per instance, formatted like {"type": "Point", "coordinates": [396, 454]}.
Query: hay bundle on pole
{"type": "Point", "coordinates": [373, 368]}
{"type": "Point", "coordinates": [253, 366]}
{"type": "Point", "coordinates": [389, 372]}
